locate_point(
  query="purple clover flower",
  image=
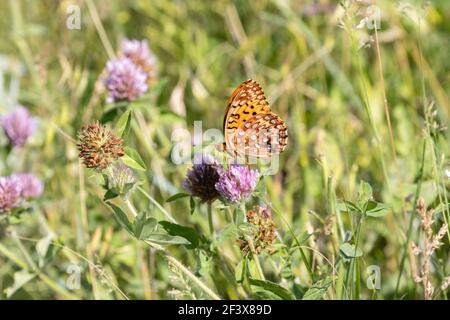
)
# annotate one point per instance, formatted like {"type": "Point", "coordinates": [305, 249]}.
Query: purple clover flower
{"type": "Point", "coordinates": [9, 193]}
{"type": "Point", "coordinates": [126, 81]}
{"type": "Point", "coordinates": [30, 186]}
{"type": "Point", "coordinates": [237, 183]}
{"type": "Point", "coordinates": [18, 125]}
{"type": "Point", "coordinates": [202, 178]}
{"type": "Point", "coordinates": [140, 53]}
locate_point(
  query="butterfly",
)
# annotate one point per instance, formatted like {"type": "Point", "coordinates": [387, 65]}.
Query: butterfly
{"type": "Point", "coordinates": [251, 129]}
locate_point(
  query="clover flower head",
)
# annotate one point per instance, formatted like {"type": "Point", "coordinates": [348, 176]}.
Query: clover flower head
{"type": "Point", "coordinates": [126, 81]}
{"type": "Point", "coordinates": [99, 147]}
{"type": "Point", "coordinates": [18, 125]}
{"type": "Point", "coordinates": [202, 178]}
{"type": "Point", "coordinates": [141, 55]}
{"type": "Point", "coordinates": [237, 183]}
{"type": "Point", "coordinates": [30, 186]}
{"type": "Point", "coordinates": [9, 193]}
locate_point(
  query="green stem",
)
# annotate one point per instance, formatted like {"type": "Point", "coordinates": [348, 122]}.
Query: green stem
{"type": "Point", "coordinates": [24, 251]}
{"type": "Point", "coordinates": [299, 246]}
{"type": "Point", "coordinates": [177, 263]}
{"type": "Point", "coordinates": [356, 272]}
{"type": "Point", "coordinates": [100, 29]}
{"type": "Point", "coordinates": [185, 271]}
{"type": "Point", "coordinates": [131, 207]}
{"type": "Point", "coordinates": [352, 268]}
{"type": "Point", "coordinates": [331, 203]}
{"type": "Point", "coordinates": [13, 257]}
{"type": "Point", "coordinates": [211, 229]}
{"type": "Point", "coordinates": [210, 220]}
{"type": "Point", "coordinates": [252, 248]}
{"type": "Point", "coordinates": [411, 220]}
{"type": "Point", "coordinates": [156, 203]}
{"type": "Point", "coordinates": [31, 266]}
{"type": "Point", "coordinates": [256, 259]}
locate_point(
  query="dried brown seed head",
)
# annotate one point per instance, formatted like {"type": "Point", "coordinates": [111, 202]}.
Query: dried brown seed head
{"type": "Point", "coordinates": [98, 146]}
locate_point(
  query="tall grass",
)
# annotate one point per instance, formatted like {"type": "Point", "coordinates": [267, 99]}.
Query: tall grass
{"type": "Point", "coordinates": [362, 119]}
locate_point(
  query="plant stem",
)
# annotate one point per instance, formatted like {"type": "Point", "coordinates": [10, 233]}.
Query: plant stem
{"type": "Point", "coordinates": [211, 228]}
{"type": "Point", "coordinates": [131, 207]}
{"type": "Point", "coordinates": [210, 220]}
{"type": "Point", "coordinates": [31, 266]}
{"type": "Point", "coordinates": [299, 246]}
{"type": "Point", "coordinates": [161, 208]}
{"type": "Point", "coordinates": [411, 220]}
{"type": "Point", "coordinates": [100, 29]}
{"type": "Point", "coordinates": [356, 272]}
{"type": "Point", "coordinates": [175, 262]}
{"type": "Point", "coordinates": [252, 248]}
{"type": "Point", "coordinates": [386, 107]}
{"type": "Point", "coordinates": [85, 228]}
{"type": "Point", "coordinates": [332, 207]}
{"type": "Point", "coordinates": [256, 259]}
{"type": "Point", "coordinates": [352, 269]}
{"type": "Point", "coordinates": [184, 270]}
{"type": "Point", "coordinates": [24, 251]}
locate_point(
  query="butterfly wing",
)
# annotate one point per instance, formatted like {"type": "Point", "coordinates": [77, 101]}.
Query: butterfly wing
{"type": "Point", "coordinates": [261, 136]}
{"type": "Point", "coordinates": [246, 101]}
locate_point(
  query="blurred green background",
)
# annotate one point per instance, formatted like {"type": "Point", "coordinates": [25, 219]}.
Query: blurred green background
{"type": "Point", "coordinates": [319, 72]}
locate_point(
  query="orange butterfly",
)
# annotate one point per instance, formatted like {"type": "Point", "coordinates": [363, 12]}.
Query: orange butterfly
{"type": "Point", "coordinates": [251, 129]}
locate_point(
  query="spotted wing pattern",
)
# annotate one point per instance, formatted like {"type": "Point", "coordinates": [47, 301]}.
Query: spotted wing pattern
{"type": "Point", "coordinates": [250, 128]}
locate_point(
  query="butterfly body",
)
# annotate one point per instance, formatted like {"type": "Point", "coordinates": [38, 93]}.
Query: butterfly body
{"type": "Point", "coordinates": [251, 129]}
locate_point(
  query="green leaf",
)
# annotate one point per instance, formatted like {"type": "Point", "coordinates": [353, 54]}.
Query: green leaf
{"type": "Point", "coordinates": [252, 268]}
{"type": "Point", "coordinates": [192, 205]}
{"type": "Point", "coordinates": [164, 239]}
{"type": "Point", "coordinates": [350, 251]}
{"type": "Point", "coordinates": [239, 216]}
{"type": "Point", "coordinates": [158, 87]}
{"type": "Point", "coordinates": [109, 115]}
{"type": "Point", "coordinates": [280, 291]}
{"type": "Point", "coordinates": [177, 196]}
{"type": "Point", "coordinates": [21, 278]}
{"type": "Point", "coordinates": [246, 229]}
{"type": "Point", "coordinates": [106, 181]}
{"type": "Point", "coordinates": [239, 272]}
{"type": "Point", "coordinates": [127, 187]}
{"type": "Point", "coordinates": [109, 194]}
{"type": "Point", "coordinates": [318, 290]}
{"type": "Point", "coordinates": [365, 192]}
{"type": "Point", "coordinates": [286, 271]}
{"type": "Point", "coordinates": [122, 218]}
{"type": "Point", "coordinates": [188, 233]}
{"type": "Point", "coordinates": [227, 233]}
{"type": "Point", "coordinates": [441, 207]}
{"type": "Point", "coordinates": [133, 159]}
{"type": "Point", "coordinates": [265, 295]}
{"type": "Point", "coordinates": [348, 206]}
{"type": "Point", "coordinates": [42, 247]}
{"type": "Point", "coordinates": [144, 226]}
{"type": "Point", "coordinates": [376, 209]}
{"type": "Point", "coordinates": [124, 124]}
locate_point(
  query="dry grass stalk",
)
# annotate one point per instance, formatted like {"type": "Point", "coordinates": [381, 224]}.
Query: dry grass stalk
{"type": "Point", "coordinates": [429, 244]}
